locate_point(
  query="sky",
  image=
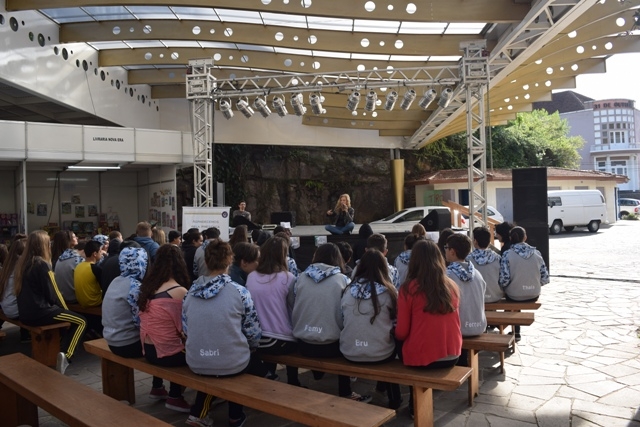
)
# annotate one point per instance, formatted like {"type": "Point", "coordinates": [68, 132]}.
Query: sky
{"type": "Point", "coordinates": [620, 80]}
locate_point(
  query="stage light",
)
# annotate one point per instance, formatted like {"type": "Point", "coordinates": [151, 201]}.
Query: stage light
{"type": "Point", "coordinates": [297, 104]}
{"type": "Point", "coordinates": [445, 97]}
{"type": "Point", "coordinates": [427, 98]}
{"type": "Point", "coordinates": [243, 106]}
{"type": "Point", "coordinates": [392, 96]}
{"type": "Point", "coordinates": [372, 97]}
{"type": "Point", "coordinates": [353, 101]}
{"type": "Point", "coordinates": [225, 108]}
{"type": "Point", "coordinates": [316, 103]}
{"type": "Point", "coordinates": [261, 105]}
{"type": "Point", "coordinates": [278, 105]}
{"type": "Point", "coordinates": [408, 98]}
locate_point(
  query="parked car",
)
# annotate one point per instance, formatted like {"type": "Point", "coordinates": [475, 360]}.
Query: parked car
{"type": "Point", "coordinates": [575, 208]}
{"type": "Point", "coordinates": [491, 213]}
{"type": "Point", "coordinates": [628, 206]}
{"type": "Point", "coordinates": [404, 220]}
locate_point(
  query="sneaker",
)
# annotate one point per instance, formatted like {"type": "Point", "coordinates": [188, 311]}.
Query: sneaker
{"type": "Point", "coordinates": [359, 398]}
{"type": "Point", "coordinates": [239, 422]}
{"type": "Point", "coordinates": [353, 379]}
{"type": "Point", "coordinates": [518, 337]}
{"type": "Point", "coordinates": [177, 404]}
{"type": "Point", "coordinates": [158, 393]}
{"type": "Point", "coordinates": [272, 376]}
{"type": "Point", "coordinates": [199, 422]}
{"type": "Point", "coordinates": [62, 363]}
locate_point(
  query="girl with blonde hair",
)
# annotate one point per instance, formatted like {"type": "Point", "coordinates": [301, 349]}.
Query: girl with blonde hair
{"type": "Point", "coordinates": [343, 214]}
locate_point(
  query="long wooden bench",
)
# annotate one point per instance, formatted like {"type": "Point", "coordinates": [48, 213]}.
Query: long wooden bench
{"type": "Point", "coordinates": [501, 319]}
{"type": "Point", "coordinates": [298, 404]}
{"type": "Point", "coordinates": [95, 311]}
{"type": "Point", "coordinates": [423, 381]}
{"type": "Point", "coordinates": [484, 342]}
{"type": "Point", "coordinates": [26, 385]}
{"type": "Point", "coordinates": [45, 340]}
{"type": "Point", "coordinates": [505, 305]}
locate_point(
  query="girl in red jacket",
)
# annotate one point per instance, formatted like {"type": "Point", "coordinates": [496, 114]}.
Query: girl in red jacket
{"type": "Point", "coordinates": [428, 319]}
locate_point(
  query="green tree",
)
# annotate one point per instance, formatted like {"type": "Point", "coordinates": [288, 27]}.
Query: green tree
{"type": "Point", "coordinates": [531, 139]}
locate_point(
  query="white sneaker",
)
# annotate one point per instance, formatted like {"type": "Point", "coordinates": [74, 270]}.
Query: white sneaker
{"type": "Point", "coordinates": [199, 422]}
{"type": "Point", "coordinates": [62, 363]}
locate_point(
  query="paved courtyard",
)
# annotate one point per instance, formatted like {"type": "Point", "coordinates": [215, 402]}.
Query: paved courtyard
{"type": "Point", "coordinates": [578, 365]}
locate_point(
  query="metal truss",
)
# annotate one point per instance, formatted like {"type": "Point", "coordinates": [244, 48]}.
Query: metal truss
{"type": "Point", "coordinates": [200, 84]}
{"type": "Point", "coordinates": [545, 21]}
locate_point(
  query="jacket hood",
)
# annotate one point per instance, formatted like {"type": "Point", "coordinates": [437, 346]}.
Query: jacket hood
{"type": "Point", "coordinates": [365, 231]}
{"type": "Point", "coordinates": [70, 253]}
{"type": "Point", "coordinates": [463, 270]}
{"type": "Point", "coordinates": [523, 249]}
{"type": "Point", "coordinates": [133, 263]}
{"type": "Point", "coordinates": [114, 247]}
{"type": "Point", "coordinates": [318, 272]}
{"type": "Point", "coordinates": [101, 238]}
{"type": "Point", "coordinates": [483, 256]}
{"type": "Point", "coordinates": [404, 257]}
{"type": "Point", "coordinates": [362, 290]}
{"type": "Point", "coordinates": [206, 287]}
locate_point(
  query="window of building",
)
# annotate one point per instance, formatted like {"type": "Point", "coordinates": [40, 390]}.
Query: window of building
{"type": "Point", "coordinates": [596, 127]}
{"type": "Point", "coordinates": [619, 167]}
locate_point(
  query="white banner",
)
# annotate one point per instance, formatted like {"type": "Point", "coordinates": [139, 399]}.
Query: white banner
{"type": "Point", "coordinates": [203, 218]}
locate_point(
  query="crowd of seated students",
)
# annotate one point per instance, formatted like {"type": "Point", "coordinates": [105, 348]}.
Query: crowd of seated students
{"type": "Point", "coordinates": [160, 299]}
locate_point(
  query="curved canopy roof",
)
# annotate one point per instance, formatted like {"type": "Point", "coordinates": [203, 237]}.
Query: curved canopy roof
{"type": "Point", "coordinates": [532, 47]}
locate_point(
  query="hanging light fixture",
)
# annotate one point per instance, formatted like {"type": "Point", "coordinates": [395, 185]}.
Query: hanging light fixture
{"type": "Point", "coordinates": [445, 97]}
{"type": "Point", "coordinates": [316, 103]}
{"type": "Point", "coordinates": [407, 99]}
{"type": "Point", "coordinates": [392, 96]}
{"type": "Point", "coordinates": [225, 108]}
{"type": "Point", "coordinates": [261, 105]}
{"type": "Point", "coordinates": [427, 98]}
{"type": "Point", "coordinates": [297, 103]}
{"type": "Point", "coordinates": [278, 105]}
{"type": "Point", "coordinates": [242, 105]}
{"type": "Point", "coordinates": [372, 97]}
{"type": "Point", "coordinates": [354, 99]}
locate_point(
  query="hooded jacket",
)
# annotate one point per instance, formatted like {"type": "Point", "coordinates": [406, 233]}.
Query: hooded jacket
{"type": "Point", "coordinates": [522, 272]}
{"type": "Point", "coordinates": [487, 262]}
{"type": "Point", "coordinates": [221, 325]}
{"type": "Point", "coordinates": [65, 266]}
{"type": "Point", "coordinates": [402, 265]}
{"type": "Point", "coordinates": [120, 314]}
{"type": "Point", "coordinates": [149, 245]}
{"type": "Point", "coordinates": [472, 289]}
{"type": "Point", "coordinates": [317, 317]}
{"type": "Point", "coordinates": [361, 340]}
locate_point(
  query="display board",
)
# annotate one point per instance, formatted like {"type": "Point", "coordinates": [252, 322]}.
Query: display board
{"type": "Point", "coordinates": [203, 218]}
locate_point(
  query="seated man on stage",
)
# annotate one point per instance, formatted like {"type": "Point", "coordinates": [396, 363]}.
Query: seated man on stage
{"type": "Point", "coordinates": [241, 216]}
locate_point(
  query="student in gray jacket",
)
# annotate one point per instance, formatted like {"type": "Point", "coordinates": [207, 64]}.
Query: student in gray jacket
{"type": "Point", "coordinates": [120, 319]}
{"type": "Point", "coordinates": [472, 286]}
{"type": "Point", "coordinates": [487, 262]}
{"type": "Point", "coordinates": [369, 306]}
{"type": "Point", "coordinates": [522, 270]}
{"type": "Point", "coordinates": [221, 324]}
{"type": "Point", "coordinates": [317, 316]}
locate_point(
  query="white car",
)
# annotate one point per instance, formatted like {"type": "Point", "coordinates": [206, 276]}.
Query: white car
{"type": "Point", "coordinates": [404, 220]}
{"type": "Point", "coordinates": [491, 213]}
{"type": "Point", "coordinates": [628, 206]}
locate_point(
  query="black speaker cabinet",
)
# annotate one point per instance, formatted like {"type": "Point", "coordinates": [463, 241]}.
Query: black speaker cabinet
{"type": "Point", "coordinates": [278, 217]}
{"type": "Point", "coordinates": [436, 220]}
{"type": "Point", "coordinates": [530, 196]}
{"type": "Point", "coordinates": [530, 207]}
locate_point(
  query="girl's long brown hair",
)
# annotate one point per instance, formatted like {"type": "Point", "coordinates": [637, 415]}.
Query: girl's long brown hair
{"type": "Point", "coordinates": [273, 256]}
{"type": "Point", "coordinates": [372, 268]}
{"type": "Point", "coordinates": [37, 249]}
{"type": "Point", "coordinates": [427, 268]}
{"type": "Point", "coordinates": [168, 264]}
{"type": "Point", "coordinates": [16, 249]}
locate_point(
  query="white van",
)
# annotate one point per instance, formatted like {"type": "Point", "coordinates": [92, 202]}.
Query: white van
{"type": "Point", "coordinates": [575, 208]}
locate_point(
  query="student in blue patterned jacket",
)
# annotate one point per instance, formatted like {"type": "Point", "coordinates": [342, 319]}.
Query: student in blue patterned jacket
{"type": "Point", "coordinates": [487, 262]}
{"type": "Point", "coordinates": [402, 261]}
{"type": "Point", "coordinates": [222, 329]}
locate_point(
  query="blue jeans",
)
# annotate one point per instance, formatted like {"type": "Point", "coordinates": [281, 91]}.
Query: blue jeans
{"type": "Point", "coordinates": [340, 230]}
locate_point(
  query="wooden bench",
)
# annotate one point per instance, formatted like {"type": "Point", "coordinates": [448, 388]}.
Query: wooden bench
{"type": "Point", "coordinates": [26, 385]}
{"type": "Point", "coordinates": [298, 404]}
{"type": "Point", "coordinates": [45, 340]}
{"type": "Point", "coordinates": [423, 381]}
{"type": "Point", "coordinates": [484, 342]}
{"type": "Point", "coordinates": [95, 311]}
{"type": "Point", "coordinates": [506, 318]}
{"type": "Point", "coordinates": [505, 305]}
